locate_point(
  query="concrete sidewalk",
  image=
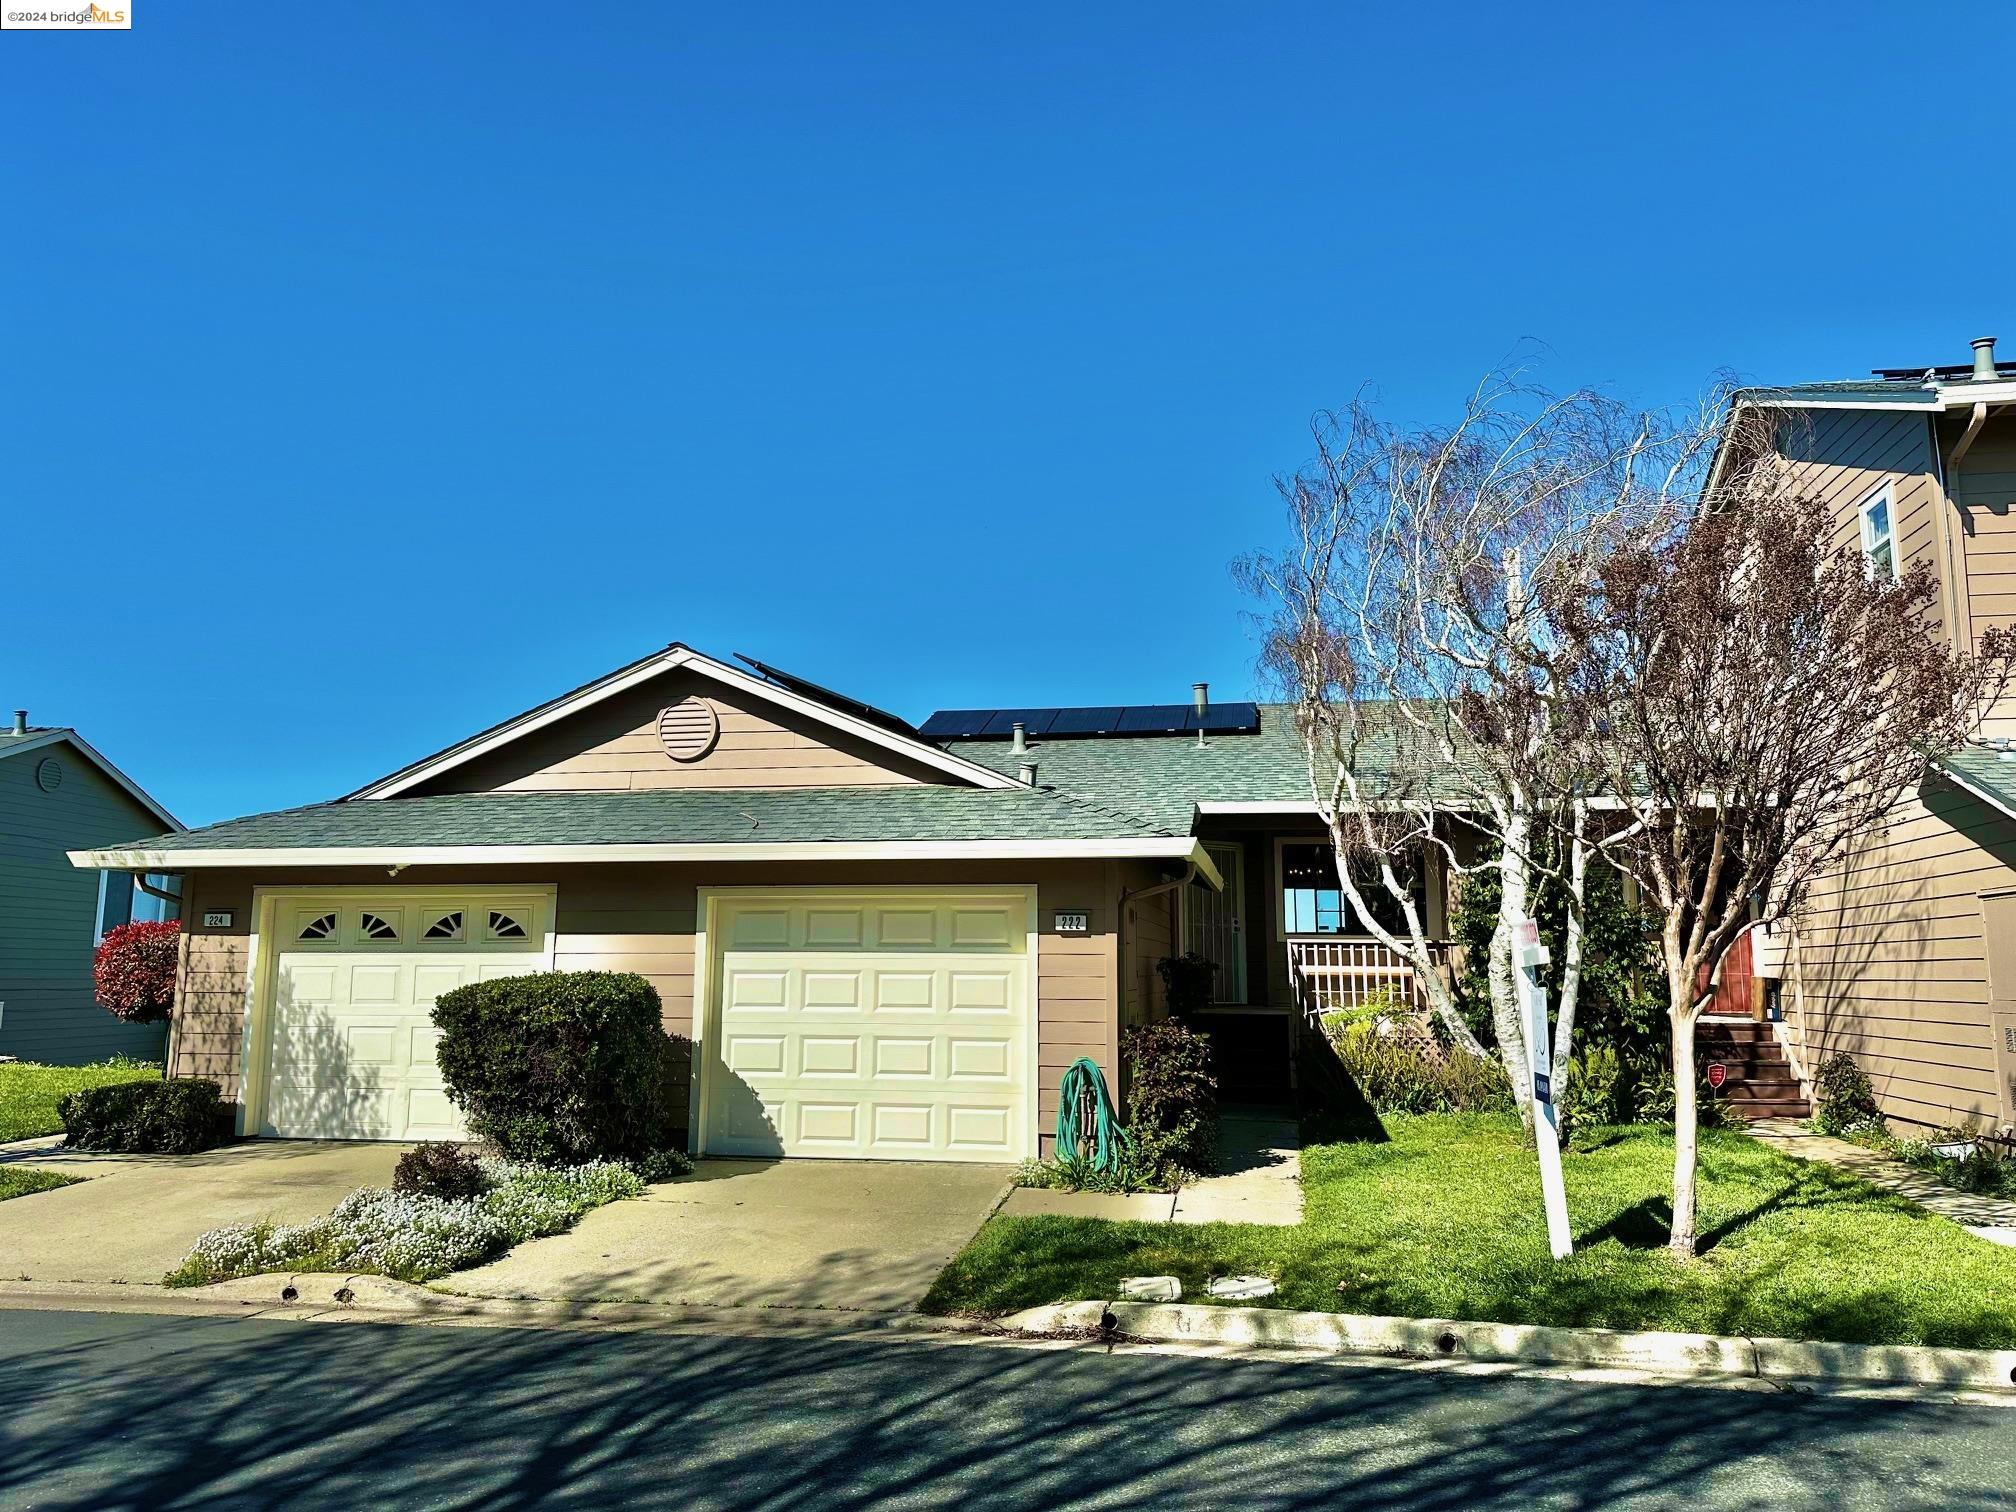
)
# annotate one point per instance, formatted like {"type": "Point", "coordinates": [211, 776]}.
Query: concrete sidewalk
{"type": "Point", "coordinates": [1990, 1218]}
{"type": "Point", "coordinates": [1259, 1180]}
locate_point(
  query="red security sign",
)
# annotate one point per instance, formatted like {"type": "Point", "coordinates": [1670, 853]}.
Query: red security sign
{"type": "Point", "coordinates": [1717, 1074]}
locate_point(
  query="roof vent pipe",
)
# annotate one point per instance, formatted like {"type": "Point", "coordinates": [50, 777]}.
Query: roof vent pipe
{"type": "Point", "coordinates": [1200, 695]}
{"type": "Point", "coordinates": [1019, 746]}
{"type": "Point", "coordinates": [1984, 359]}
{"type": "Point", "coordinates": [20, 721]}
{"type": "Point", "coordinates": [1027, 772]}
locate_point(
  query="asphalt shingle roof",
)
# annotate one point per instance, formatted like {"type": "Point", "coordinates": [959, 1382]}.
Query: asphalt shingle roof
{"type": "Point", "coordinates": [1164, 777]}
{"type": "Point", "coordinates": [688, 817]}
{"type": "Point", "coordinates": [1987, 770]}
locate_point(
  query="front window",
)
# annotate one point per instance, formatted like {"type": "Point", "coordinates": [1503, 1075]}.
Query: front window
{"type": "Point", "coordinates": [1879, 546]}
{"type": "Point", "coordinates": [1313, 901]}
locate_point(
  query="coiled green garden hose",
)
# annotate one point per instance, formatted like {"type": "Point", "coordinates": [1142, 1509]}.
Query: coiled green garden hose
{"type": "Point", "coordinates": [1109, 1140]}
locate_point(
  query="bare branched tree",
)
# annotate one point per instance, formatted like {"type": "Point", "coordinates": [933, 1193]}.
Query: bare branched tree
{"type": "Point", "coordinates": [1744, 704]}
{"type": "Point", "coordinates": [1407, 599]}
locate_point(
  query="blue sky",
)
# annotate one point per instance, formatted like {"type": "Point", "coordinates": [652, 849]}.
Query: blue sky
{"type": "Point", "coordinates": [371, 372]}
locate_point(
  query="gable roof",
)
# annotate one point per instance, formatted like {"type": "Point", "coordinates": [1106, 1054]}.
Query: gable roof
{"type": "Point", "coordinates": [915, 822]}
{"type": "Point", "coordinates": [879, 732]}
{"type": "Point", "coordinates": [43, 737]}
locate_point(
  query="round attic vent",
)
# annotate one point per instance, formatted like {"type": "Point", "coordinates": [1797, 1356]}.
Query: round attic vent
{"type": "Point", "coordinates": [689, 729]}
{"type": "Point", "coordinates": [49, 774]}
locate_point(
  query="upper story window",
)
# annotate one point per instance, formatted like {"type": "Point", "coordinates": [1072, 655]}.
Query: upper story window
{"type": "Point", "coordinates": [1879, 545]}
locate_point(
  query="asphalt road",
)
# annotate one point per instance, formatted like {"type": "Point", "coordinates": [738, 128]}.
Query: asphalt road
{"type": "Point", "coordinates": [112, 1411]}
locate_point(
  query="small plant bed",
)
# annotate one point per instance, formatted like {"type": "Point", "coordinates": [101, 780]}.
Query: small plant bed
{"type": "Point", "coordinates": [412, 1235]}
{"type": "Point", "coordinates": [1952, 1157]}
{"type": "Point", "coordinates": [17, 1181]}
{"type": "Point", "coordinates": [29, 1092]}
{"type": "Point", "coordinates": [1441, 1217]}
{"type": "Point", "coordinates": [1128, 1174]}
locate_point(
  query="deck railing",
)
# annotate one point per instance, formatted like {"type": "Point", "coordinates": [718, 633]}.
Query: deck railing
{"type": "Point", "coordinates": [1326, 975]}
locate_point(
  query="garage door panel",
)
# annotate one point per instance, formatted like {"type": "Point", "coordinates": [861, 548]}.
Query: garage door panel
{"type": "Point", "coordinates": [350, 1038]}
{"type": "Point", "coordinates": [895, 1029]}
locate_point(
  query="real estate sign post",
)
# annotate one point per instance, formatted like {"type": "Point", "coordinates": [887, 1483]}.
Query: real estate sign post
{"type": "Point", "coordinates": [1528, 957]}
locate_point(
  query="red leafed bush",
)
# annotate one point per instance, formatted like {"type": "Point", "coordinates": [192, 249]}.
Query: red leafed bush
{"type": "Point", "coordinates": [135, 971]}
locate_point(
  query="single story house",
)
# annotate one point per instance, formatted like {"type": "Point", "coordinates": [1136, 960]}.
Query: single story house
{"type": "Point", "coordinates": [878, 940]}
{"type": "Point", "coordinates": [57, 793]}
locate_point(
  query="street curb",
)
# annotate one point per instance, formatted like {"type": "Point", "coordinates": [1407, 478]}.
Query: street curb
{"type": "Point", "coordinates": [1677, 1354]}
{"type": "Point", "coordinates": [328, 1298]}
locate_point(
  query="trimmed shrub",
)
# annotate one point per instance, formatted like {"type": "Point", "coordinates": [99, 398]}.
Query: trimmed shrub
{"type": "Point", "coordinates": [1843, 1098]}
{"type": "Point", "coordinates": [144, 1117]}
{"type": "Point", "coordinates": [134, 971]}
{"type": "Point", "coordinates": [1188, 983]}
{"type": "Point", "coordinates": [436, 1169]}
{"type": "Point", "coordinates": [1592, 1091]}
{"type": "Point", "coordinates": [1172, 1097]}
{"type": "Point", "coordinates": [1399, 1071]}
{"type": "Point", "coordinates": [1131, 1172]}
{"type": "Point", "coordinates": [560, 1067]}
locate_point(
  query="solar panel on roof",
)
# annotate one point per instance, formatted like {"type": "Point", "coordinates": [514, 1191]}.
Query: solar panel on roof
{"type": "Point", "coordinates": [1099, 721]}
{"type": "Point", "coordinates": [1150, 719]}
{"type": "Point", "coordinates": [956, 724]}
{"type": "Point", "coordinates": [1225, 719]}
{"type": "Point", "coordinates": [1033, 721]}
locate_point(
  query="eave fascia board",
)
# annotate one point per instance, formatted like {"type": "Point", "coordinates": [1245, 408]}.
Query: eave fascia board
{"type": "Point", "coordinates": [1147, 847]}
{"type": "Point", "coordinates": [670, 660]}
{"type": "Point", "coordinates": [92, 754]}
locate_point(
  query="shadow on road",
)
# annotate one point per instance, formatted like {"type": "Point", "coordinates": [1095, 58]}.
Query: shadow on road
{"type": "Point", "coordinates": [139, 1412]}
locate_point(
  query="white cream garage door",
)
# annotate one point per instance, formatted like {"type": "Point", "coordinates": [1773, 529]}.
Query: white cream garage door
{"type": "Point", "coordinates": [890, 1026]}
{"type": "Point", "coordinates": [349, 1026]}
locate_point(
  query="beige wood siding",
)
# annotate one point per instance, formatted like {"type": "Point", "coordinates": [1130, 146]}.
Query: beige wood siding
{"type": "Point", "coordinates": [1984, 491]}
{"type": "Point", "coordinates": [642, 919]}
{"type": "Point", "coordinates": [1890, 963]}
{"type": "Point", "coordinates": [614, 746]}
{"type": "Point", "coordinates": [1842, 457]}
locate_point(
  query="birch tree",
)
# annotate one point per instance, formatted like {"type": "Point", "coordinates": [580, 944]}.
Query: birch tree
{"type": "Point", "coordinates": [1406, 602]}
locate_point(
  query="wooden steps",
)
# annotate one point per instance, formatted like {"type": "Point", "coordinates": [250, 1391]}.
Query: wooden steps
{"type": "Point", "coordinates": [1761, 1083]}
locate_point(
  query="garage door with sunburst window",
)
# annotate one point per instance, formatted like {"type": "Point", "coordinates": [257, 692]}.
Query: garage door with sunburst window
{"type": "Point", "coordinates": [348, 1020]}
{"type": "Point", "coordinates": [894, 1026]}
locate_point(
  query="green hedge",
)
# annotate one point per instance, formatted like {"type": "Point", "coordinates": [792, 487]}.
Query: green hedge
{"type": "Point", "coordinates": [559, 1067]}
{"type": "Point", "coordinates": [150, 1117]}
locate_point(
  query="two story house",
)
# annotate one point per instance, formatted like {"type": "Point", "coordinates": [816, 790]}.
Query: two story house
{"type": "Point", "coordinates": [877, 939]}
{"type": "Point", "coordinates": [1906, 959]}
{"type": "Point", "coordinates": [58, 792]}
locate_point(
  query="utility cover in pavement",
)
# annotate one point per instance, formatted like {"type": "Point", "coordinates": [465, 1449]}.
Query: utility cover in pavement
{"type": "Point", "coordinates": [1240, 1288]}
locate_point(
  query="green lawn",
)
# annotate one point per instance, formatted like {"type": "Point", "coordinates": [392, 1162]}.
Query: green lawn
{"type": "Point", "coordinates": [16, 1181]}
{"type": "Point", "coordinates": [1443, 1220]}
{"type": "Point", "coordinates": [28, 1092]}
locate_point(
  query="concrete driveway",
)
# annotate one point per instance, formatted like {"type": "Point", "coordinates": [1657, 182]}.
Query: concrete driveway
{"type": "Point", "coordinates": [857, 1235]}
{"type": "Point", "coordinates": [134, 1217]}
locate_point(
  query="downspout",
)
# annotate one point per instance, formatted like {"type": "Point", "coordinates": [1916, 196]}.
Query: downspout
{"type": "Point", "coordinates": [1955, 574]}
{"type": "Point", "coordinates": [140, 881]}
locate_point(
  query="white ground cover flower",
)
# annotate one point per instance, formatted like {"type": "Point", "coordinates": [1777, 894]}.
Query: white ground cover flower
{"type": "Point", "coordinates": [412, 1237]}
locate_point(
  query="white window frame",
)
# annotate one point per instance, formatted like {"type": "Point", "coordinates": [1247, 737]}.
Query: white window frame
{"type": "Point", "coordinates": [1885, 497]}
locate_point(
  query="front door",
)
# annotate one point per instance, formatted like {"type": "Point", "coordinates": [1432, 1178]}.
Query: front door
{"type": "Point", "coordinates": [1212, 922]}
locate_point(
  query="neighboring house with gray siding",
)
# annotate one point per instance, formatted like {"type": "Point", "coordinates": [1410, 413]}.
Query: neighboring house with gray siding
{"type": "Point", "coordinates": [56, 794]}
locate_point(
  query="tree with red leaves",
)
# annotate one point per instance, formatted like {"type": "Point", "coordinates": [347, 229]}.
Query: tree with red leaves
{"type": "Point", "coordinates": [134, 971]}
{"type": "Point", "coordinates": [1745, 702]}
